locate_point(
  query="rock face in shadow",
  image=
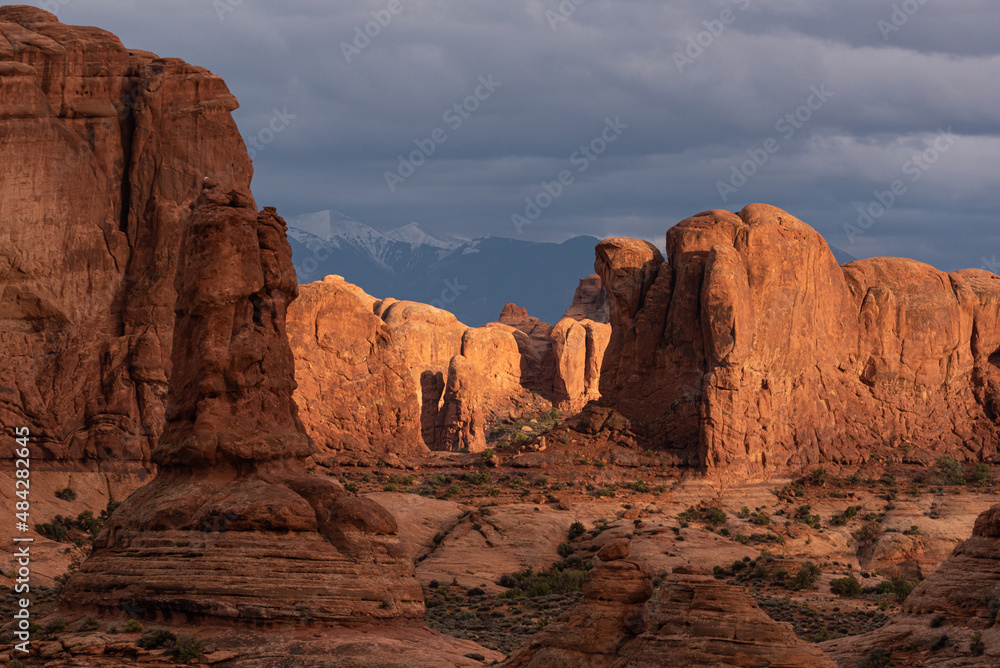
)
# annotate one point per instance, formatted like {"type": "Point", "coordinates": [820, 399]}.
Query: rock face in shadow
{"type": "Point", "coordinates": [751, 350]}
{"type": "Point", "coordinates": [232, 527]}
{"type": "Point", "coordinates": [611, 612]}
{"type": "Point", "coordinates": [590, 301]}
{"type": "Point", "coordinates": [961, 598]}
{"type": "Point", "coordinates": [691, 620]}
{"type": "Point", "coordinates": [103, 149]}
{"type": "Point", "coordinates": [695, 620]}
{"type": "Point", "coordinates": [355, 394]}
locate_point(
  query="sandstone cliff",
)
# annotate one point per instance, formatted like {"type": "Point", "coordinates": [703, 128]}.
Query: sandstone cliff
{"type": "Point", "coordinates": [103, 148]}
{"type": "Point", "coordinates": [355, 393]}
{"type": "Point", "coordinates": [231, 489]}
{"type": "Point", "coordinates": [752, 350]}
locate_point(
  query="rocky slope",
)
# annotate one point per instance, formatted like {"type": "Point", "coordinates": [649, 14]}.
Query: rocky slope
{"type": "Point", "coordinates": [716, 354]}
{"type": "Point", "coordinates": [103, 149]}
{"type": "Point", "coordinates": [692, 620]}
{"type": "Point", "coordinates": [950, 618]}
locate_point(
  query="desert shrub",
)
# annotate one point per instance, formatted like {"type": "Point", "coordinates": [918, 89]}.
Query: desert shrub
{"type": "Point", "coordinates": [576, 529]}
{"type": "Point", "coordinates": [134, 626]}
{"type": "Point", "coordinates": [848, 587]}
{"type": "Point", "coordinates": [899, 587]}
{"type": "Point", "coordinates": [818, 477]}
{"type": "Point", "coordinates": [806, 577]}
{"type": "Point", "coordinates": [89, 624]}
{"type": "Point", "coordinates": [715, 516]}
{"type": "Point", "coordinates": [976, 644]}
{"type": "Point", "coordinates": [66, 494]}
{"type": "Point", "coordinates": [937, 621]}
{"type": "Point", "coordinates": [156, 638]}
{"type": "Point", "coordinates": [940, 642]}
{"type": "Point", "coordinates": [564, 550]}
{"type": "Point", "coordinates": [868, 533]}
{"type": "Point", "coordinates": [950, 470]}
{"type": "Point", "coordinates": [564, 578]}
{"type": "Point", "coordinates": [187, 647]}
{"type": "Point", "coordinates": [55, 625]}
{"type": "Point", "coordinates": [761, 520]}
{"type": "Point", "coordinates": [877, 658]}
{"type": "Point", "coordinates": [980, 475]}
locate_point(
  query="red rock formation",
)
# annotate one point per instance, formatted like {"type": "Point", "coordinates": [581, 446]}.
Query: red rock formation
{"type": "Point", "coordinates": [716, 356]}
{"type": "Point", "coordinates": [231, 489]}
{"type": "Point", "coordinates": [590, 301]}
{"type": "Point", "coordinates": [961, 598]}
{"type": "Point", "coordinates": [102, 150]}
{"type": "Point", "coordinates": [591, 633]}
{"type": "Point", "coordinates": [355, 394]}
{"type": "Point", "coordinates": [578, 347]}
{"type": "Point", "coordinates": [695, 620]}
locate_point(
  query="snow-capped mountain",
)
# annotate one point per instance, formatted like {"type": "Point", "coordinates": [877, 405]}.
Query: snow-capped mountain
{"type": "Point", "coordinates": [471, 278]}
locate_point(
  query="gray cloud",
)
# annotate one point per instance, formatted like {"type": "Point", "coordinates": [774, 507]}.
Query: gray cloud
{"type": "Point", "coordinates": [892, 92]}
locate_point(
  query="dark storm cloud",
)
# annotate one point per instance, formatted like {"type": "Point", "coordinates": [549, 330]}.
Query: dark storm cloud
{"type": "Point", "coordinates": [702, 86]}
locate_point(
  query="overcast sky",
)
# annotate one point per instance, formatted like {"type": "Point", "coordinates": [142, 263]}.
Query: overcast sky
{"type": "Point", "coordinates": [703, 86]}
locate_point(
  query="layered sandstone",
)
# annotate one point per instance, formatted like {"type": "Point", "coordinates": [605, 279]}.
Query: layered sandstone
{"type": "Point", "coordinates": [752, 350]}
{"type": "Point", "coordinates": [103, 148]}
{"type": "Point", "coordinates": [232, 489]}
{"type": "Point", "coordinates": [695, 620]}
{"type": "Point", "coordinates": [610, 613]}
{"type": "Point", "coordinates": [961, 598]}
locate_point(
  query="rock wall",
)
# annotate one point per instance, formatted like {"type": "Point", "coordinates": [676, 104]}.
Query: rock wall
{"type": "Point", "coordinates": [355, 393]}
{"type": "Point", "coordinates": [232, 488]}
{"type": "Point", "coordinates": [751, 350]}
{"type": "Point", "coordinates": [101, 150]}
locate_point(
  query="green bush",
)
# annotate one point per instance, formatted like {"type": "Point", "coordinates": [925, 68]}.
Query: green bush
{"type": "Point", "coordinates": [848, 587]}
{"type": "Point", "coordinates": [981, 475]}
{"type": "Point", "coordinates": [564, 550]}
{"type": "Point", "coordinates": [899, 587]}
{"type": "Point", "coordinates": [156, 638]}
{"type": "Point", "coordinates": [187, 647]}
{"type": "Point", "coordinates": [806, 577]}
{"type": "Point", "coordinates": [66, 494]}
{"type": "Point", "coordinates": [576, 529]}
{"type": "Point", "coordinates": [976, 644]}
{"type": "Point", "coordinates": [950, 470]}
{"type": "Point", "coordinates": [134, 626]}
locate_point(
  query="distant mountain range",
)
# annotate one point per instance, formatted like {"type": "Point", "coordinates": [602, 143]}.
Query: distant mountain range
{"type": "Point", "coordinates": [472, 279]}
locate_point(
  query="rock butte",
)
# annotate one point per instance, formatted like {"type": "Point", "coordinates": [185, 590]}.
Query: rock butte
{"type": "Point", "coordinates": [751, 350]}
